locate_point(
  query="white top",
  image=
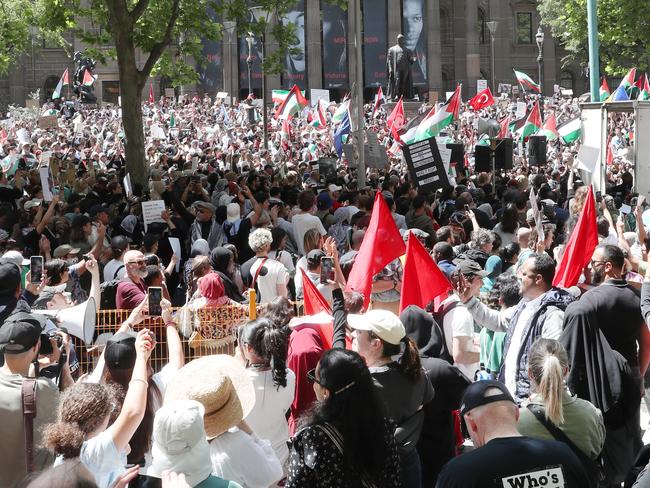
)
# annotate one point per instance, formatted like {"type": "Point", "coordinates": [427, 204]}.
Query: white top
{"type": "Point", "coordinates": [552, 329]}
{"type": "Point", "coordinates": [301, 224]}
{"type": "Point", "coordinates": [285, 258]}
{"type": "Point", "coordinates": [458, 322]}
{"type": "Point", "coordinates": [276, 274]}
{"type": "Point", "coordinates": [100, 456]}
{"type": "Point", "coordinates": [297, 279]}
{"type": "Point", "coordinates": [268, 417]}
{"type": "Point", "coordinates": [244, 459]}
{"type": "Point", "coordinates": [111, 268]}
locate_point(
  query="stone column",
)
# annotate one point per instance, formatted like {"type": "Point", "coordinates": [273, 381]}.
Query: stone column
{"type": "Point", "coordinates": [314, 47]}
{"type": "Point", "coordinates": [434, 48]}
{"type": "Point", "coordinates": [472, 55]}
{"type": "Point", "coordinates": [458, 32]}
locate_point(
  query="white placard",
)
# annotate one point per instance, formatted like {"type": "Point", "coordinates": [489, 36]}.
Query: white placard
{"type": "Point", "coordinates": [46, 183]}
{"type": "Point", "coordinates": [175, 244]}
{"type": "Point", "coordinates": [481, 85]}
{"type": "Point", "coordinates": [157, 132]}
{"type": "Point", "coordinates": [222, 95]}
{"type": "Point", "coordinates": [195, 163]}
{"type": "Point", "coordinates": [23, 136]}
{"type": "Point", "coordinates": [588, 158]}
{"type": "Point", "coordinates": [45, 157]}
{"type": "Point", "coordinates": [78, 128]}
{"type": "Point", "coordinates": [128, 188]}
{"type": "Point", "coordinates": [521, 110]}
{"type": "Point", "coordinates": [445, 154]}
{"type": "Point", "coordinates": [151, 211]}
{"type": "Point", "coordinates": [316, 94]}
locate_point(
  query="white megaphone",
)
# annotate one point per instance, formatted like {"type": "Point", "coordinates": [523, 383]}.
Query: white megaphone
{"type": "Point", "coordinates": [79, 320]}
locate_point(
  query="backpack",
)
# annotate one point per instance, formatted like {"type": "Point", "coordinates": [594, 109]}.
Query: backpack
{"type": "Point", "coordinates": [108, 295]}
{"type": "Point", "coordinates": [439, 317]}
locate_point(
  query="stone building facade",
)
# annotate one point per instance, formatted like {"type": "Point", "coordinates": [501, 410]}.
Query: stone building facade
{"type": "Point", "coordinates": [450, 38]}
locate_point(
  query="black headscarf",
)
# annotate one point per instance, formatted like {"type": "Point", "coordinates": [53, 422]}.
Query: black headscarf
{"type": "Point", "coordinates": [421, 327]}
{"type": "Point", "coordinates": [220, 259]}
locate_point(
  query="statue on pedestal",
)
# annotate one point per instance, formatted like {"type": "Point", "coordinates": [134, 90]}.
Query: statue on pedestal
{"type": "Point", "coordinates": [398, 64]}
{"type": "Point", "coordinates": [82, 65]}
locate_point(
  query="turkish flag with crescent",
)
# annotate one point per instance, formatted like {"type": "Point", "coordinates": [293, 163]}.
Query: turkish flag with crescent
{"type": "Point", "coordinates": [482, 99]}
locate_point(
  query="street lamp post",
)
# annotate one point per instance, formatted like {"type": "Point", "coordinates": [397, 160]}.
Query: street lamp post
{"type": "Point", "coordinates": [261, 14]}
{"type": "Point", "coordinates": [492, 27]}
{"type": "Point", "coordinates": [249, 61]}
{"type": "Point", "coordinates": [539, 38]}
{"type": "Point", "coordinates": [229, 27]}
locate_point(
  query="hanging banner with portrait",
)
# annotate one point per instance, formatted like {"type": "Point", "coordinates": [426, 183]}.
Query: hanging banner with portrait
{"type": "Point", "coordinates": [415, 33]}
{"type": "Point", "coordinates": [375, 42]}
{"type": "Point", "coordinates": [335, 52]}
{"type": "Point", "coordinates": [295, 65]}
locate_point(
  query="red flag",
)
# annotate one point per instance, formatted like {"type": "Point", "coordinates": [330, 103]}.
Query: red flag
{"type": "Point", "coordinates": [422, 280]}
{"type": "Point", "coordinates": [395, 120]}
{"type": "Point", "coordinates": [151, 98]}
{"type": "Point", "coordinates": [65, 79]}
{"type": "Point", "coordinates": [505, 125]}
{"type": "Point", "coordinates": [581, 245]}
{"type": "Point", "coordinates": [482, 99]}
{"type": "Point", "coordinates": [314, 301]}
{"type": "Point", "coordinates": [609, 155]}
{"type": "Point", "coordinates": [378, 101]}
{"type": "Point", "coordinates": [381, 245]}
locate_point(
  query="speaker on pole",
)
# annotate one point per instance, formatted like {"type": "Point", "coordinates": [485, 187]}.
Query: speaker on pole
{"type": "Point", "coordinates": [503, 153]}
{"type": "Point", "coordinates": [482, 161]}
{"type": "Point", "coordinates": [537, 150]}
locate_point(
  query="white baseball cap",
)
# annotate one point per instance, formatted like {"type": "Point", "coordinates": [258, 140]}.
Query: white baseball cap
{"type": "Point", "coordinates": [383, 323]}
{"type": "Point", "coordinates": [334, 188]}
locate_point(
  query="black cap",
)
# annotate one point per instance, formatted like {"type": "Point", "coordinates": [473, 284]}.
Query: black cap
{"type": "Point", "coordinates": [474, 395]}
{"type": "Point", "coordinates": [119, 243]}
{"type": "Point", "coordinates": [96, 210]}
{"type": "Point", "coordinates": [314, 256]}
{"type": "Point", "coordinates": [469, 267]}
{"type": "Point", "coordinates": [20, 333]}
{"type": "Point", "coordinates": [9, 278]}
{"type": "Point", "coordinates": [120, 351]}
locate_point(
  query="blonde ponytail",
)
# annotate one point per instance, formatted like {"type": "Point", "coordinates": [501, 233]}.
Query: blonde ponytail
{"type": "Point", "coordinates": [548, 362]}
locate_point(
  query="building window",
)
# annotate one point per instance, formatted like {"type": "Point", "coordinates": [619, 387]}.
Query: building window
{"type": "Point", "coordinates": [482, 28]}
{"type": "Point", "coordinates": [110, 91]}
{"type": "Point", "coordinates": [524, 28]}
{"type": "Point", "coordinates": [566, 80]}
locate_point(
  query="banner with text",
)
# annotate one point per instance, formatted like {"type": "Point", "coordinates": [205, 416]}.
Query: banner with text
{"type": "Point", "coordinates": [335, 52]}
{"type": "Point", "coordinates": [375, 42]}
{"type": "Point", "coordinates": [425, 164]}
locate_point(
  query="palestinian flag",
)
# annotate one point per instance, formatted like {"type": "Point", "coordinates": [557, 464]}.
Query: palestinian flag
{"type": "Point", "coordinates": [292, 105]}
{"type": "Point", "coordinates": [571, 131]}
{"type": "Point", "coordinates": [503, 131]}
{"type": "Point", "coordinates": [65, 80]}
{"type": "Point", "coordinates": [484, 140]}
{"type": "Point", "coordinates": [644, 94]}
{"type": "Point", "coordinates": [604, 92]}
{"type": "Point", "coordinates": [278, 96]}
{"type": "Point", "coordinates": [340, 112]}
{"type": "Point", "coordinates": [317, 117]}
{"type": "Point", "coordinates": [526, 81]}
{"type": "Point", "coordinates": [627, 83]}
{"type": "Point", "coordinates": [379, 99]}
{"type": "Point", "coordinates": [549, 129]}
{"type": "Point", "coordinates": [516, 125]}
{"type": "Point", "coordinates": [533, 122]}
{"type": "Point", "coordinates": [435, 121]}
{"type": "Point", "coordinates": [285, 134]}
{"type": "Point", "coordinates": [89, 78]}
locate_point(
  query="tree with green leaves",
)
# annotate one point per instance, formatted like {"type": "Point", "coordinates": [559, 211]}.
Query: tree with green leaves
{"type": "Point", "coordinates": [168, 34]}
{"type": "Point", "coordinates": [623, 32]}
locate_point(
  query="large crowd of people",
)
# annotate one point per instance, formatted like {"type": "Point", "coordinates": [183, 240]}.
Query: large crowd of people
{"type": "Point", "coordinates": [508, 381]}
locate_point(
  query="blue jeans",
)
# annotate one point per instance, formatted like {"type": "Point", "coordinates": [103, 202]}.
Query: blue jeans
{"type": "Point", "coordinates": [411, 470]}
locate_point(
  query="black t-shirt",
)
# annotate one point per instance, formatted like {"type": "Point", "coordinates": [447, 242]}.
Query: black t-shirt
{"type": "Point", "coordinates": [515, 462]}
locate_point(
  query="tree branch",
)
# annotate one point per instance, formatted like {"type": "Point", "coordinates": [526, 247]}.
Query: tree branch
{"type": "Point", "coordinates": [158, 48]}
{"type": "Point", "coordinates": [138, 10]}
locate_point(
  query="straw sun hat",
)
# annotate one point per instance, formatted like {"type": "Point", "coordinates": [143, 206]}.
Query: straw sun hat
{"type": "Point", "coordinates": [220, 383]}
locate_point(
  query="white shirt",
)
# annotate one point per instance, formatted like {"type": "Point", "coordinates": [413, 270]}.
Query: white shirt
{"type": "Point", "coordinates": [268, 417]}
{"type": "Point", "coordinates": [244, 459]}
{"type": "Point", "coordinates": [285, 258]}
{"type": "Point", "coordinates": [551, 329]}
{"type": "Point", "coordinates": [297, 279]}
{"type": "Point", "coordinates": [276, 274]}
{"type": "Point", "coordinates": [102, 459]}
{"type": "Point", "coordinates": [301, 224]}
{"type": "Point", "coordinates": [110, 270]}
{"type": "Point", "coordinates": [458, 322]}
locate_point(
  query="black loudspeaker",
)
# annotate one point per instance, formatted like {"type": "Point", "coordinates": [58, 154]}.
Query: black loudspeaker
{"type": "Point", "coordinates": [482, 161]}
{"type": "Point", "coordinates": [457, 155]}
{"type": "Point", "coordinates": [251, 114]}
{"type": "Point", "coordinates": [537, 150]}
{"type": "Point", "coordinates": [503, 154]}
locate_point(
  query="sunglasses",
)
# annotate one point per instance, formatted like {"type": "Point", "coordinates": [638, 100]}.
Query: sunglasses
{"type": "Point", "coordinates": [311, 377]}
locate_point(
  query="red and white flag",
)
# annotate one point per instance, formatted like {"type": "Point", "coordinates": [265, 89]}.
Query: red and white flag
{"type": "Point", "coordinates": [379, 99]}
{"type": "Point", "coordinates": [482, 99]}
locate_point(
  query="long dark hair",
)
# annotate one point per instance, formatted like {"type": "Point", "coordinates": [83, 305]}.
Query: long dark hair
{"type": "Point", "coordinates": [356, 410]}
{"type": "Point", "coordinates": [140, 443]}
{"type": "Point", "coordinates": [270, 343]}
{"type": "Point", "coordinates": [510, 219]}
{"type": "Point", "coordinates": [409, 363]}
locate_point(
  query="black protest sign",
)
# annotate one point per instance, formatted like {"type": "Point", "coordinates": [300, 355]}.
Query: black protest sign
{"type": "Point", "coordinates": [327, 167]}
{"type": "Point", "coordinates": [425, 164]}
